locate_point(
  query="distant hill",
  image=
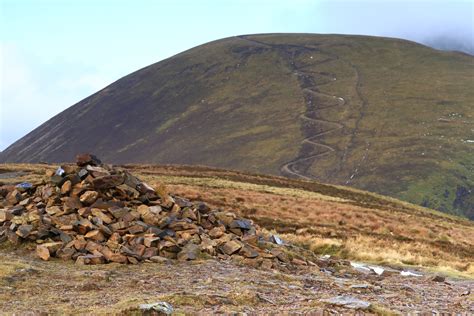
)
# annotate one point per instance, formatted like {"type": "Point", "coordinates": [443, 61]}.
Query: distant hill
{"type": "Point", "coordinates": [384, 115]}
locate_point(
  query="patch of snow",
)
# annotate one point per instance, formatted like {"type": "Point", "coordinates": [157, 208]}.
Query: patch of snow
{"type": "Point", "coordinates": [377, 270]}
{"type": "Point", "coordinates": [469, 141]}
{"type": "Point", "coordinates": [359, 266]}
{"type": "Point", "coordinates": [409, 273]}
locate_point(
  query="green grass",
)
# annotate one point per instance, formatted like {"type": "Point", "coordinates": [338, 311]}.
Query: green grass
{"type": "Point", "coordinates": [236, 104]}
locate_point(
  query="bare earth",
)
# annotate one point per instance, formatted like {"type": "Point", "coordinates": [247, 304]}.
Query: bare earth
{"type": "Point", "coordinates": [212, 286]}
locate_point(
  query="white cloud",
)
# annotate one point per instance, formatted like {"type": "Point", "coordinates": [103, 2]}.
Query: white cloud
{"type": "Point", "coordinates": [32, 91]}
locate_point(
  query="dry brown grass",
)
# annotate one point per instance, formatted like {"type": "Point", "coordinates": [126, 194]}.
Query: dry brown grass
{"type": "Point", "coordinates": [321, 218]}
{"type": "Point", "coordinates": [338, 227]}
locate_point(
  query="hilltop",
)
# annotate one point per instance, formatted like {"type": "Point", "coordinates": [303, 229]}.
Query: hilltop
{"type": "Point", "coordinates": [379, 114]}
{"type": "Point", "coordinates": [387, 256]}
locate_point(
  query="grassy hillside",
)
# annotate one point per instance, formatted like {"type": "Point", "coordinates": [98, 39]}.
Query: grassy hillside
{"type": "Point", "coordinates": [384, 115]}
{"type": "Point", "coordinates": [324, 219]}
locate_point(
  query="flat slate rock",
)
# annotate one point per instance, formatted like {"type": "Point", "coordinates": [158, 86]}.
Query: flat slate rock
{"type": "Point", "coordinates": [348, 302]}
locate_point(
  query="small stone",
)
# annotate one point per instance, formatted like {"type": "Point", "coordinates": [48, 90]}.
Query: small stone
{"type": "Point", "coordinates": [5, 215]}
{"type": "Point", "coordinates": [348, 302]}
{"type": "Point", "coordinates": [42, 252]}
{"type": "Point", "coordinates": [65, 253]}
{"type": "Point", "coordinates": [150, 252]}
{"type": "Point", "coordinates": [71, 204]}
{"type": "Point", "coordinates": [156, 308]}
{"type": "Point", "coordinates": [24, 230]}
{"type": "Point", "coordinates": [87, 159]}
{"type": "Point", "coordinates": [52, 210]}
{"type": "Point", "coordinates": [118, 226]}
{"type": "Point", "coordinates": [224, 217]}
{"type": "Point", "coordinates": [97, 171]}
{"type": "Point", "coordinates": [248, 252]}
{"type": "Point", "coordinates": [189, 252]}
{"type": "Point", "coordinates": [216, 232]}
{"type": "Point", "coordinates": [89, 197]}
{"type": "Point", "coordinates": [14, 197]}
{"type": "Point", "coordinates": [298, 262]}
{"type": "Point", "coordinates": [118, 212]}
{"type": "Point", "coordinates": [83, 226]}
{"type": "Point", "coordinates": [95, 235]}
{"type": "Point", "coordinates": [107, 182]}
{"type": "Point", "coordinates": [241, 223]}
{"type": "Point", "coordinates": [82, 174]}
{"type": "Point", "coordinates": [60, 172]}
{"type": "Point", "coordinates": [230, 247]}
{"type": "Point", "coordinates": [98, 213]}
{"type": "Point", "coordinates": [90, 259]}
{"type": "Point", "coordinates": [66, 187]}
{"type": "Point", "coordinates": [118, 258]}
{"type": "Point", "coordinates": [438, 278]}
{"type": "Point", "coordinates": [283, 257]}
{"type": "Point", "coordinates": [151, 241]}
{"type": "Point", "coordinates": [24, 186]}
{"type": "Point", "coordinates": [277, 240]}
{"type": "Point", "coordinates": [132, 260]}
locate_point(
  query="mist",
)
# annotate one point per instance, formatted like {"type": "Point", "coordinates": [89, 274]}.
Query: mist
{"type": "Point", "coordinates": [451, 42]}
{"type": "Point", "coordinates": [444, 25]}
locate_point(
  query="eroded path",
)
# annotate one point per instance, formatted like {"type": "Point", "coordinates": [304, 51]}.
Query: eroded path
{"type": "Point", "coordinates": [311, 92]}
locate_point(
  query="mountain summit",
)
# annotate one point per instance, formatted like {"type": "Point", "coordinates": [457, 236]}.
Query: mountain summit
{"type": "Point", "coordinates": [385, 115]}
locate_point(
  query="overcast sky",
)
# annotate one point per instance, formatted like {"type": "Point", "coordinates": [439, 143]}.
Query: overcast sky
{"type": "Point", "coordinates": [54, 53]}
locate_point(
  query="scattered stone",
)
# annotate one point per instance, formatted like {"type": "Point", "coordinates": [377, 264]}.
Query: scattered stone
{"type": "Point", "coordinates": [159, 307]}
{"type": "Point", "coordinates": [89, 197]}
{"type": "Point", "coordinates": [107, 182]}
{"type": "Point", "coordinates": [348, 302]}
{"type": "Point", "coordinates": [5, 215]}
{"type": "Point", "coordinates": [60, 172]}
{"type": "Point", "coordinates": [217, 232]}
{"type": "Point", "coordinates": [189, 252]}
{"type": "Point", "coordinates": [87, 159]}
{"type": "Point", "coordinates": [42, 252]}
{"type": "Point", "coordinates": [248, 252]}
{"type": "Point", "coordinates": [438, 278]}
{"type": "Point", "coordinates": [277, 240]}
{"type": "Point", "coordinates": [24, 186]}
{"type": "Point", "coordinates": [241, 223]}
{"type": "Point", "coordinates": [230, 247]}
{"type": "Point", "coordinates": [299, 262]}
{"type": "Point", "coordinates": [24, 230]}
{"type": "Point", "coordinates": [66, 187]}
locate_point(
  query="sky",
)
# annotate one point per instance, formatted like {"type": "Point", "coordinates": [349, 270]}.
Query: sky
{"type": "Point", "coordinates": [54, 53]}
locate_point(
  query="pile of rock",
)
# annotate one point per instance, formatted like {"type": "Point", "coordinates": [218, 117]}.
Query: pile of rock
{"type": "Point", "coordinates": [94, 213]}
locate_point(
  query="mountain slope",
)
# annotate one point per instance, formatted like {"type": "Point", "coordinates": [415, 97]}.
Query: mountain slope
{"type": "Point", "coordinates": [380, 114]}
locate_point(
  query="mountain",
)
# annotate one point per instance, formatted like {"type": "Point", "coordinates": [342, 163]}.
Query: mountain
{"type": "Point", "coordinates": [380, 114]}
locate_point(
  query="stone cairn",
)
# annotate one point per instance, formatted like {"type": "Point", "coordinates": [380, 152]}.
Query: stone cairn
{"type": "Point", "coordinates": [94, 213]}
